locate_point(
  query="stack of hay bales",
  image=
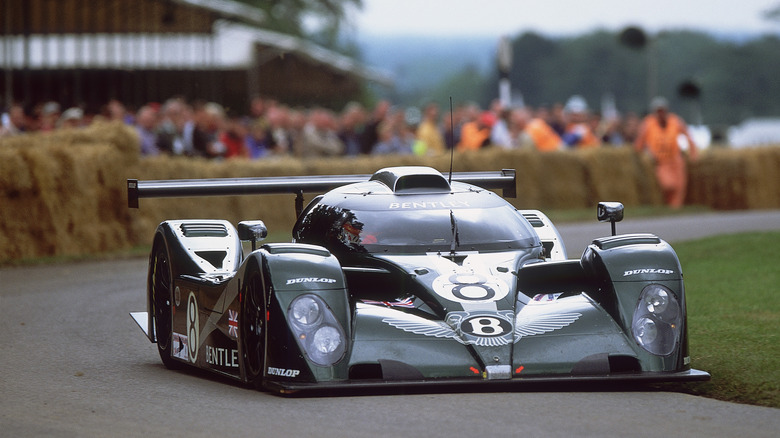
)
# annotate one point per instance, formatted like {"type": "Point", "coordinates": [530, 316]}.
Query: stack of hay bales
{"type": "Point", "coordinates": [61, 193]}
{"type": "Point", "coordinates": [731, 179]}
{"type": "Point", "coordinates": [64, 193]}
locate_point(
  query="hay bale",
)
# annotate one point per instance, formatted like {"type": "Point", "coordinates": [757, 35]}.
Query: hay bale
{"type": "Point", "coordinates": [731, 179]}
{"type": "Point", "coordinates": [59, 191]}
{"type": "Point", "coordinates": [718, 179]}
{"type": "Point", "coordinates": [563, 181]}
{"type": "Point", "coordinates": [762, 178]}
{"type": "Point", "coordinates": [622, 175]}
{"type": "Point", "coordinates": [64, 193]}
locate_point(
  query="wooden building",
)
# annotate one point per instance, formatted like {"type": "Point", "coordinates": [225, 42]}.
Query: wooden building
{"type": "Point", "coordinates": [85, 52]}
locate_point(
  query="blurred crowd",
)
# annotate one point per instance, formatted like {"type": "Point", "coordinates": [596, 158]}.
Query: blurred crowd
{"type": "Point", "coordinates": [271, 128]}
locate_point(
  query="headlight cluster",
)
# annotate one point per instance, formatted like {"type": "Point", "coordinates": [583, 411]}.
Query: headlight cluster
{"type": "Point", "coordinates": [657, 319]}
{"type": "Point", "coordinates": [316, 329]}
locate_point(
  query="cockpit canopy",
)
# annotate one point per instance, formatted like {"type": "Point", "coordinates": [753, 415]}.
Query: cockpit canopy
{"type": "Point", "coordinates": [369, 218]}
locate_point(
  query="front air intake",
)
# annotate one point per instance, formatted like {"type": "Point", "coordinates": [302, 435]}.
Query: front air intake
{"type": "Point", "coordinates": [534, 219]}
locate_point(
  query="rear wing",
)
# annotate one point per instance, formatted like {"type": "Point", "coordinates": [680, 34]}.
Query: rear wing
{"type": "Point", "coordinates": [505, 180]}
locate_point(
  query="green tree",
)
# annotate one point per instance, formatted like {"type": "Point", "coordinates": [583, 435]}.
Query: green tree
{"type": "Point", "coordinates": [737, 79]}
{"type": "Point", "coordinates": [532, 56]}
{"type": "Point", "coordinates": [468, 85]}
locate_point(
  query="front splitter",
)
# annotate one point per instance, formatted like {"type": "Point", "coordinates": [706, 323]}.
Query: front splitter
{"type": "Point", "coordinates": [554, 382]}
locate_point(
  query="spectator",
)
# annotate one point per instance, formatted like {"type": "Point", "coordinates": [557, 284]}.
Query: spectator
{"type": "Point", "coordinates": [257, 108]}
{"type": "Point", "coordinates": [319, 136]}
{"type": "Point", "coordinates": [557, 119]}
{"type": "Point", "coordinates": [297, 121]}
{"type": "Point", "coordinates": [534, 132]}
{"type": "Point", "coordinates": [611, 132]}
{"type": "Point", "coordinates": [176, 130]}
{"type": "Point", "coordinates": [392, 141]}
{"type": "Point", "coordinates": [629, 129]}
{"type": "Point", "coordinates": [518, 121]}
{"type": "Point", "coordinates": [209, 125]}
{"type": "Point", "coordinates": [499, 133]}
{"type": "Point", "coordinates": [278, 137]}
{"type": "Point", "coordinates": [658, 134]}
{"type": "Point", "coordinates": [146, 126]}
{"type": "Point", "coordinates": [405, 123]}
{"type": "Point", "coordinates": [453, 124]}
{"type": "Point", "coordinates": [595, 123]}
{"type": "Point", "coordinates": [71, 118]}
{"type": "Point", "coordinates": [49, 115]}
{"type": "Point", "coordinates": [579, 133]}
{"type": "Point", "coordinates": [233, 138]}
{"type": "Point", "coordinates": [256, 140]}
{"type": "Point", "coordinates": [476, 134]}
{"type": "Point", "coordinates": [350, 127]}
{"type": "Point", "coordinates": [429, 133]}
{"type": "Point", "coordinates": [14, 122]}
{"type": "Point", "coordinates": [370, 136]}
{"type": "Point", "coordinates": [116, 111]}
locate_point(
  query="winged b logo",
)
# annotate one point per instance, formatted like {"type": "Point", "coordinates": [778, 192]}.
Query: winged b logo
{"type": "Point", "coordinates": [486, 329]}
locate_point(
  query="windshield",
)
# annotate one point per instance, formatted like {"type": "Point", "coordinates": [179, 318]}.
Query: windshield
{"type": "Point", "coordinates": [416, 231]}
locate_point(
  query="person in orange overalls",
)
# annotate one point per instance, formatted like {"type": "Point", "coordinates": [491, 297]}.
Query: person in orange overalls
{"type": "Point", "coordinates": [544, 137]}
{"type": "Point", "coordinates": [659, 134]}
{"type": "Point", "coordinates": [533, 130]}
{"type": "Point", "coordinates": [476, 134]}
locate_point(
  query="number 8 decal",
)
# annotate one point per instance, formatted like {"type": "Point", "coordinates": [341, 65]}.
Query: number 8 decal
{"type": "Point", "coordinates": [192, 326]}
{"type": "Point", "coordinates": [470, 288]}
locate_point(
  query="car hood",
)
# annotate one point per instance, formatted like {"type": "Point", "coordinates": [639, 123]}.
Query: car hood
{"type": "Point", "coordinates": [471, 298]}
{"type": "Point", "coordinates": [465, 281]}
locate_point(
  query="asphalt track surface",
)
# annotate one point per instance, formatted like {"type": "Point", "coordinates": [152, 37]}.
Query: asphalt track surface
{"type": "Point", "coordinates": [74, 364]}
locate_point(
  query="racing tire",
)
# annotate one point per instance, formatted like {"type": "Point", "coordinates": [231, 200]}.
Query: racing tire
{"type": "Point", "coordinates": [161, 296]}
{"type": "Point", "coordinates": [252, 330]}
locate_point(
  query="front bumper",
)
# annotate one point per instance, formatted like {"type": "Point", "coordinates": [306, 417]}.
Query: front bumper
{"type": "Point", "coordinates": [560, 383]}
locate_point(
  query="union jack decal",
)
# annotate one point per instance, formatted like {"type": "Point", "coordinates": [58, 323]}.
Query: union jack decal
{"type": "Point", "coordinates": [233, 323]}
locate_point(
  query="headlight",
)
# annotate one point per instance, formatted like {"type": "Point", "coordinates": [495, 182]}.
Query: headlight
{"type": "Point", "coordinates": [645, 331]}
{"type": "Point", "coordinates": [657, 300]}
{"type": "Point", "coordinates": [306, 311]}
{"type": "Point", "coordinates": [316, 329]}
{"type": "Point", "coordinates": [656, 321]}
{"type": "Point", "coordinates": [326, 340]}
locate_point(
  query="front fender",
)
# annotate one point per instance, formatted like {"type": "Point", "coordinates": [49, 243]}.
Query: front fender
{"type": "Point", "coordinates": [292, 270]}
{"type": "Point", "coordinates": [629, 263]}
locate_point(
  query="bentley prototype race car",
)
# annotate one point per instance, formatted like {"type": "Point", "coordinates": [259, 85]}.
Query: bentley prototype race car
{"type": "Point", "coordinates": [409, 277]}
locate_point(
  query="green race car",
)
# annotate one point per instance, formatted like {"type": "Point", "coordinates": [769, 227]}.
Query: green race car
{"type": "Point", "coordinates": [409, 277]}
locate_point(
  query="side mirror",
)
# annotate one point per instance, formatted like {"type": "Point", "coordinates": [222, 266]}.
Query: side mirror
{"type": "Point", "coordinates": [254, 231]}
{"type": "Point", "coordinates": [610, 211]}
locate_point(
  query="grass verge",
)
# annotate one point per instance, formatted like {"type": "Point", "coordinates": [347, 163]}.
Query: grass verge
{"type": "Point", "coordinates": [733, 315]}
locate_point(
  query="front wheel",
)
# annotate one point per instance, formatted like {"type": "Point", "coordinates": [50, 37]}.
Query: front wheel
{"type": "Point", "coordinates": [252, 332]}
{"type": "Point", "coordinates": [161, 294]}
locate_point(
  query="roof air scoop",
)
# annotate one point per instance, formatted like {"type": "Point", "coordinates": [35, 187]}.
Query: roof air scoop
{"type": "Point", "coordinates": [412, 179]}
